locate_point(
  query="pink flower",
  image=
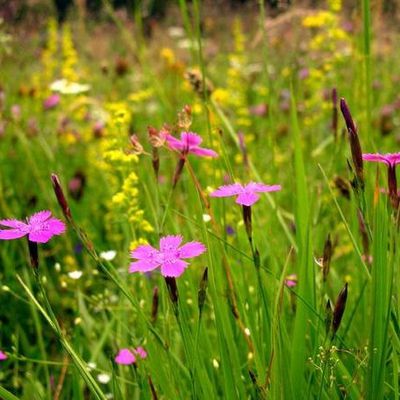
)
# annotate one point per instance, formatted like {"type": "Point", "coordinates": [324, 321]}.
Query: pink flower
{"type": "Point", "coordinates": [51, 101]}
{"type": "Point", "coordinates": [246, 195]}
{"type": "Point", "coordinates": [169, 257]}
{"type": "Point", "coordinates": [3, 356]}
{"type": "Point", "coordinates": [189, 143]}
{"type": "Point", "coordinates": [291, 280]}
{"type": "Point", "coordinates": [141, 352]}
{"type": "Point", "coordinates": [40, 227]}
{"type": "Point", "coordinates": [391, 159]}
{"type": "Point", "coordinates": [125, 357]}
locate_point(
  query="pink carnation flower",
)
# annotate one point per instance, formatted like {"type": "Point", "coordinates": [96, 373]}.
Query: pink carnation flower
{"type": "Point", "coordinates": [125, 357]}
{"type": "Point", "coordinates": [246, 195]}
{"type": "Point", "coordinates": [141, 352]}
{"type": "Point", "coordinates": [391, 159]}
{"type": "Point", "coordinates": [3, 356]}
{"type": "Point", "coordinates": [189, 144]}
{"type": "Point", "coordinates": [40, 227]}
{"type": "Point", "coordinates": [169, 257]}
{"type": "Point", "coordinates": [51, 101]}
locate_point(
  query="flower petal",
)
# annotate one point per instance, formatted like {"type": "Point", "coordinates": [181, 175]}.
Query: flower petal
{"type": "Point", "coordinates": [392, 158]}
{"type": "Point", "coordinates": [144, 252]}
{"type": "Point", "coordinates": [173, 268]}
{"type": "Point", "coordinates": [170, 243]}
{"type": "Point", "coordinates": [191, 139]}
{"type": "Point", "coordinates": [174, 143]}
{"type": "Point", "coordinates": [40, 236]}
{"type": "Point", "coordinates": [56, 226]}
{"type": "Point", "coordinates": [125, 357]}
{"type": "Point", "coordinates": [260, 187]}
{"type": "Point", "coordinates": [375, 157]}
{"type": "Point", "coordinates": [13, 223]}
{"type": "Point", "coordinates": [39, 217]}
{"type": "Point", "coordinates": [247, 199]}
{"type": "Point", "coordinates": [143, 266]}
{"type": "Point", "coordinates": [228, 190]}
{"type": "Point", "coordinates": [200, 151]}
{"type": "Point", "coordinates": [9, 234]}
{"type": "Point", "coordinates": [191, 249]}
{"type": "Point", "coordinates": [141, 352]}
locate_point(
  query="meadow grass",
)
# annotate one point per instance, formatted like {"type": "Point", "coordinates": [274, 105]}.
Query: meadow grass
{"type": "Point", "coordinates": [299, 303]}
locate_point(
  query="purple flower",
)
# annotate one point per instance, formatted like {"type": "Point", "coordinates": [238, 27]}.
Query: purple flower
{"type": "Point", "coordinates": [51, 101]}
{"type": "Point", "coordinates": [189, 144]}
{"type": "Point", "coordinates": [125, 357]}
{"type": "Point", "coordinates": [40, 227]}
{"type": "Point", "coordinates": [169, 257]}
{"type": "Point", "coordinates": [246, 195]}
{"type": "Point", "coordinates": [3, 356]}
{"type": "Point", "coordinates": [391, 159]}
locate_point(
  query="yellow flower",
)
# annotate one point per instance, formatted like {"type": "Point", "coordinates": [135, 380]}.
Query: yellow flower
{"type": "Point", "coordinates": [220, 96]}
{"type": "Point", "coordinates": [167, 55]}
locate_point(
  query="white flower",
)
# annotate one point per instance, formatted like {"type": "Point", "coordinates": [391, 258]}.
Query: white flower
{"type": "Point", "coordinates": [75, 274]}
{"type": "Point", "coordinates": [176, 32]}
{"type": "Point", "coordinates": [108, 255]}
{"type": "Point", "coordinates": [206, 218]}
{"type": "Point", "coordinates": [103, 378]}
{"type": "Point", "coordinates": [91, 365]}
{"type": "Point", "coordinates": [65, 87]}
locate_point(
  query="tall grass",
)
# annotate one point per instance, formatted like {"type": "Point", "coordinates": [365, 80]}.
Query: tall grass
{"type": "Point", "coordinates": [246, 328]}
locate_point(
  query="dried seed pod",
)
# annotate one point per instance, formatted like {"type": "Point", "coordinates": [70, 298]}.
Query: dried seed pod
{"type": "Point", "coordinates": [200, 86]}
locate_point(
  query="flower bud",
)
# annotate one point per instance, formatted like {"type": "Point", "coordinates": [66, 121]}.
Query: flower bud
{"type": "Point", "coordinates": [355, 146]}
{"type": "Point", "coordinates": [137, 147]}
{"type": "Point", "coordinates": [339, 309]}
{"type": "Point", "coordinates": [62, 201]}
{"type": "Point", "coordinates": [201, 296]}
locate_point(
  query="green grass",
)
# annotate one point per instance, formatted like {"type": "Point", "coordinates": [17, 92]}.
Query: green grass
{"type": "Point", "coordinates": [254, 336]}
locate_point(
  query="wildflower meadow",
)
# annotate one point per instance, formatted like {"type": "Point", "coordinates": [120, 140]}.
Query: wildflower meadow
{"type": "Point", "coordinates": [198, 200]}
